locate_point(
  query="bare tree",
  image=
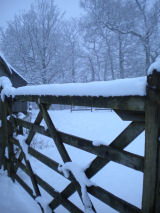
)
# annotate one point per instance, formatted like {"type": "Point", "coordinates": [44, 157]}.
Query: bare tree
{"type": "Point", "coordinates": [33, 38]}
{"type": "Point", "coordinates": [136, 26]}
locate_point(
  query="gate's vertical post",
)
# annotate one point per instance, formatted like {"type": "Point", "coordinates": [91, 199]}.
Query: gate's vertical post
{"type": "Point", "coordinates": [10, 144]}
{"type": "Point", "coordinates": [151, 183]}
{"type": "Point", "coordinates": [4, 133]}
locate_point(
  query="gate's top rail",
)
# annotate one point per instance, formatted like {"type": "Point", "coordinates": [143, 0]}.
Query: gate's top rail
{"type": "Point", "coordinates": [126, 94]}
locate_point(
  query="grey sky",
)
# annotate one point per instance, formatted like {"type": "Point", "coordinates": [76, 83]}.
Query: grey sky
{"type": "Point", "coordinates": [8, 8]}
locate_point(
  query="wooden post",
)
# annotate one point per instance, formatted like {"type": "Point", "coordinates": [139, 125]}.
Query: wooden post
{"type": "Point", "coordinates": [151, 183]}
{"type": "Point", "coordinates": [4, 133]}
{"type": "Point", "coordinates": [10, 144]}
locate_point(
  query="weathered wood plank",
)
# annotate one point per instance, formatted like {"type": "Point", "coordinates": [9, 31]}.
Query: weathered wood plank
{"type": "Point", "coordinates": [112, 200]}
{"type": "Point", "coordinates": [151, 184]}
{"type": "Point", "coordinates": [54, 134]}
{"type": "Point", "coordinates": [10, 144]}
{"type": "Point", "coordinates": [4, 134]}
{"type": "Point", "coordinates": [134, 103]}
{"type": "Point", "coordinates": [127, 115]}
{"type": "Point", "coordinates": [107, 152]}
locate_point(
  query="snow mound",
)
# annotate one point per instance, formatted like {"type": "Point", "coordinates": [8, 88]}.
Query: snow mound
{"type": "Point", "coordinates": [82, 179]}
{"type": "Point", "coordinates": [13, 198]}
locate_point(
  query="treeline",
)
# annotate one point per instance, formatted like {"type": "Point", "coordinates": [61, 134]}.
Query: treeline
{"type": "Point", "coordinates": [114, 39]}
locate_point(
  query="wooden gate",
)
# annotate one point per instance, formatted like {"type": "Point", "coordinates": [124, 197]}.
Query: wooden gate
{"type": "Point", "coordinates": [142, 110]}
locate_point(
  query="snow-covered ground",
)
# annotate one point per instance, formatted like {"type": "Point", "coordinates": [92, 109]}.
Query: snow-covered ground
{"type": "Point", "coordinates": [13, 198]}
{"type": "Point", "coordinates": [101, 126]}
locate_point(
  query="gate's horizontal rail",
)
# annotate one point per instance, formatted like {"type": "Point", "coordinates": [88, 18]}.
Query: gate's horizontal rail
{"type": "Point", "coordinates": [133, 103]}
{"type": "Point", "coordinates": [119, 156]}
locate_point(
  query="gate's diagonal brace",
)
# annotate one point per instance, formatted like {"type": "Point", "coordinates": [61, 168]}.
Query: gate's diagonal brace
{"type": "Point", "coordinates": [32, 176]}
{"type": "Point", "coordinates": [53, 132]}
{"type": "Point", "coordinates": [60, 146]}
{"type": "Point", "coordinates": [123, 140]}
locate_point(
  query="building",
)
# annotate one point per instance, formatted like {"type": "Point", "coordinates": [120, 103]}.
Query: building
{"type": "Point", "coordinates": [17, 81]}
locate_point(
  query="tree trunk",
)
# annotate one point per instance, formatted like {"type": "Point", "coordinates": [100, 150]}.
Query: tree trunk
{"type": "Point", "coordinates": [121, 58]}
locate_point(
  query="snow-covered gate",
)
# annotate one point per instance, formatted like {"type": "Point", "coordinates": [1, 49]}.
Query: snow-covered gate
{"type": "Point", "coordinates": [142, 109]}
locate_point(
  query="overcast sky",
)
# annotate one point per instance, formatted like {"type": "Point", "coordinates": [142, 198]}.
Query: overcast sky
{"type": "Point", "coordinates": [8, 8]}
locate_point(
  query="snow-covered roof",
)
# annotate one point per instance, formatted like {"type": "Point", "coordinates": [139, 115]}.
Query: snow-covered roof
{"type": "Point", "coordinates": [120, 87]}
{"type": "Point", "coordinates": [9, 69]}
{"type": "Point", "coordinates": [5, 64]}
{"type": "Point", "coordinates": [15, 71]}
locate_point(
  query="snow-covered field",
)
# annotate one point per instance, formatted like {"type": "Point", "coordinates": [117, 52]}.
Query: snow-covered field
{"type": "Point", "coordinates": [101, 126]}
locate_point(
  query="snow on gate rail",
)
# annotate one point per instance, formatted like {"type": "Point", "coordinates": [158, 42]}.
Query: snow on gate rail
{"type": "Point", "coordinates": [120, 87]}
{"type": "Point", "coordinates": [123, 94]}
